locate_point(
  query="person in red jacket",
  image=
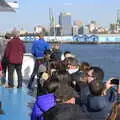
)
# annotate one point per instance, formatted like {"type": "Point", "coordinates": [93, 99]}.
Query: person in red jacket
{"type": "Point", "coordinates": [14, 54]}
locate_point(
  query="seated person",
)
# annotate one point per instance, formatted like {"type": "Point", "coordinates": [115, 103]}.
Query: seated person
{"type": "Point", "coordinates": [99, 102]}
{"type": "Point", "coordinates": [66, 55]}
{"type": "Point", "coordinates": [56, 93]}
{"type": "Point", "coordinates": [66, 109]}
{"type": "Point", "coordinates": [65, 112]}
{"type": "Point", "coordinates": [81, 85]}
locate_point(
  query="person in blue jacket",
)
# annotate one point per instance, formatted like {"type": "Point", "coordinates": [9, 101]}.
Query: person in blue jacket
{"type": "Point", "coordinates": [38, 48]}
{"type": "Point", "coordinates": [56, 93]}
{"type": "Point", "coordinates": [43, 103]}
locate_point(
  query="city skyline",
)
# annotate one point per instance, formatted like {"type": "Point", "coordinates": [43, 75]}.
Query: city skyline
{"type": "Point", "coordinates": [32, 13]}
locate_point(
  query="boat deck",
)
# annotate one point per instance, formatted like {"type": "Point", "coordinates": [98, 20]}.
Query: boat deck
{"type": "Point", "coordinates": [15, 103]}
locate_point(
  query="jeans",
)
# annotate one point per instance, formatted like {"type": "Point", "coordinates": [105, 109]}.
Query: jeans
{"type": "Point", "coordinates": [34, 73]}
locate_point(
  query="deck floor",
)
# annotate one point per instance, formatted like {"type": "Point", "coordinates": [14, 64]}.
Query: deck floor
{"type": "Point", "coordinates": [15, 103]}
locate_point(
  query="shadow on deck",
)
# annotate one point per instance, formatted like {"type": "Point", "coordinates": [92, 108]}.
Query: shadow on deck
{"type": "Point", "coordinates": [15, 103]}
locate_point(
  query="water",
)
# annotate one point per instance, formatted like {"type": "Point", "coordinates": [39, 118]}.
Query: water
{"type": "Point", "coordinates": [105, 56]}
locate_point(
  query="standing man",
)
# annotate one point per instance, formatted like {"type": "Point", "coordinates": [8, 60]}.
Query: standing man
{"type": "Point", "coordinates": [38, 48]}
{"type": "Point", "coordinates": [14, 54]}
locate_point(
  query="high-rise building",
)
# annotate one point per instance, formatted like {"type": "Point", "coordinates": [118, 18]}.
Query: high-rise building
{"type": "Point", "coordinates": [80, 27]}
{"type": "Point", "coordinates": [65, 23]}
{"type": "Point", "coordinates": [51, 17]}
{"type": "Point", "coordinates": [55, 30]}
{"type": "Point", "coordinates": [118, 16]}
{"type": "Point", "coordinates": [118, 21]}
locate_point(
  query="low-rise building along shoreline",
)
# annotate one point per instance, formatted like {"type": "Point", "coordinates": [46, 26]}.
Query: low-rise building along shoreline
{"type": "Point", "coordinates": [77, 39]}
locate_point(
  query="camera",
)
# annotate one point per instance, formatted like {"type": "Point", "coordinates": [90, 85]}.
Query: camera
{"type": "Point", "coordinates": [115, 81]}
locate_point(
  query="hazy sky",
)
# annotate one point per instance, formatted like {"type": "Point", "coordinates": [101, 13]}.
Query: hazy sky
{"type": "Point", "coordinates": [34, 12]}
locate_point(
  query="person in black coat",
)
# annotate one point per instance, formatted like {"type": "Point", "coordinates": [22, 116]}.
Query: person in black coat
{"type": "Point", "coordinates": [56, 52]}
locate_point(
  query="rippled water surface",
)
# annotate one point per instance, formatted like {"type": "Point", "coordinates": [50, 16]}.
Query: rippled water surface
{"type": "Point", "coordinates": [105, 56]}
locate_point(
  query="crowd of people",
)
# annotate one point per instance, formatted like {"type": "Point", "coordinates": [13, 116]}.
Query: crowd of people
{"type": "Point", "coordinates": [70, 90]}
{"type": "Point", "coordinates": [76, 92]}
{"type": "Point", "coordinates": [66, 88]}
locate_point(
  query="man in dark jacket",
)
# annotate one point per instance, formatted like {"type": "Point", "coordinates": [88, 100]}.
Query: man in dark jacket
{"type": "Point", "coordinates": [100, 101]}
{"type": "Point", "coordinates": [56, 52]}
{"type": "Point", "coordinates": [66, 112]}
{"type": "Point", "coordinates": [14, 54]}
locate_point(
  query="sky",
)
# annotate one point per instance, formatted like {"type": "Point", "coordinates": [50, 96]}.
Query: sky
{"type": "Point", "coordinates": [36, 12]}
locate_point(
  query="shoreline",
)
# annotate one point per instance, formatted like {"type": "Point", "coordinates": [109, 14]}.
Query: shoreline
{"type": "Point", "coordinates": [78, 42]}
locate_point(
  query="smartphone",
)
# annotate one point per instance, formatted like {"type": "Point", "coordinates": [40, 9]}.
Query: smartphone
{"type": "Point", "coordinates": [115, 81]}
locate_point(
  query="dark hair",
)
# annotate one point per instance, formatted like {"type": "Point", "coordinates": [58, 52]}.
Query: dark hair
{"type": "Point", "coordinates": [60, 66]}
{"type": "Point", "coordinates": [52, 86]}
{"type": "Point", "coordinates": [96, 88]}
{"type": "Point", "coordinates": [65, 93]}
{"type": "Point", "coordinates": [7, 36]}
{"type": "Point", "coordinates": [71, 61]}
{"type": "Point", "coordinates": [84, 66]}
{"type": "Point", "coordinates": [62, 77]}
{"type": "Point", "coordinates": [67, 52]}
{"type": "Point", "coordinates": [98, 73]}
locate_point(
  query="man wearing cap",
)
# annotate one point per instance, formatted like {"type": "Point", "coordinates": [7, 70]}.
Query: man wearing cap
{"type": "Point", "coordinates": [38, 48]}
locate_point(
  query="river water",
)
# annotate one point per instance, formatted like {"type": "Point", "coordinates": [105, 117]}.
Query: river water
{"type": "Point", "coordinates": [106, 56]}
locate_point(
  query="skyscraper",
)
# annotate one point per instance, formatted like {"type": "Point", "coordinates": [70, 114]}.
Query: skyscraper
{"type": "Point", "coordinates": [51, 17]}
{"type": "Point", "coordinates": [65, 23]}
{"type": "Point", "coordinates": [118, 16]}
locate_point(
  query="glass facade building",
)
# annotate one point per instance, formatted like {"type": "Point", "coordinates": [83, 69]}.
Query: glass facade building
{"type": "Point", "coordinates": [65, 23]}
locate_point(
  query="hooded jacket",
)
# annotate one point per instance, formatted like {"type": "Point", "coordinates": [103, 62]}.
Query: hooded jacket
{"type": "Point", "coordinates": [66, 112]}
{"type": "Point", "coordinates": [99, 106]}
{"type": "Point", "coordinates": [43, 104]}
